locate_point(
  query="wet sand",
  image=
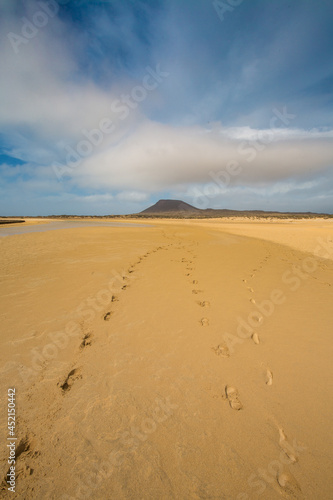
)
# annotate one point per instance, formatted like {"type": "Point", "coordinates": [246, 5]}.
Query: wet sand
{"type": "Point", "coordinates": [191, 359]}
{"type": "Point", "coordinates": [51, 225]}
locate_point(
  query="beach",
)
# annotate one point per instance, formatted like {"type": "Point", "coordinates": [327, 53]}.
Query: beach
{"type": "Point", "coordinates": [185, 359]}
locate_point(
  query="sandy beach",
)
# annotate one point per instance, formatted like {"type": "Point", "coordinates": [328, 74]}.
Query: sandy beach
{"type": "Point", "coordinates": [177, 360]}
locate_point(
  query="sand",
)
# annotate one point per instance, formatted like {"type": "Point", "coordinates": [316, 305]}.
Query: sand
{"type": "Point", "coordinates": [186, 360]}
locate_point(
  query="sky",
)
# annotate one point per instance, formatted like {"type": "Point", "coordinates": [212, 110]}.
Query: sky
{"type": "Point", "coordinates": [108, 106]}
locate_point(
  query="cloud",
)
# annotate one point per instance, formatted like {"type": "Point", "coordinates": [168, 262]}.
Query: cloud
{"type": "Point", "coordinates": [159, 157]}
{"type": "Point", "coordinates": [48, 102]}
{"type": "Point", "coordinates": [215, 109]}
{"type": "Point", "coordinates": [133, 196]}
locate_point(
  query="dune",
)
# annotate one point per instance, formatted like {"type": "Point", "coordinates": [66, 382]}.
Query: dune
{"type": "Point", "coordinates": [185, 359]}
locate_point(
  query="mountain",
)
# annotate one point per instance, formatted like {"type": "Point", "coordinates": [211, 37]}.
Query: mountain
{"type": "Point", "coordinates": [180, 210]}
{"type": "Point", "coordinates": [170, 206]}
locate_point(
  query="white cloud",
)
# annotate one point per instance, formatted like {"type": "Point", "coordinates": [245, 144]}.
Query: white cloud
{"type": "Point", "coordinates": [158, 157]}
{"type": "Point", "coordinates": [96, 198]}
{"type": "Point", "coordinates": [132, 196]}
{"type": "Point", "coordinates": [48, 103]}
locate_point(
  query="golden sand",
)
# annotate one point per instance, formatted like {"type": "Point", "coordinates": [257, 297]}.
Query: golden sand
{"type": "Point", "coordinates": [186, 360]}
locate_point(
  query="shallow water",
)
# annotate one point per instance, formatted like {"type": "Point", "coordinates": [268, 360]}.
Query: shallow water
{"type": "Point", "coordinates": [51, 226]}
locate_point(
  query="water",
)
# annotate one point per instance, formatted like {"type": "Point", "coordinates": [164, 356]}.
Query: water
{"type": "Point", "coordinates": [51, 226]}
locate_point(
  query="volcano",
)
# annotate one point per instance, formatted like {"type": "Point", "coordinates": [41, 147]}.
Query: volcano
{"type": "Point", "coordinates": [170, 206]}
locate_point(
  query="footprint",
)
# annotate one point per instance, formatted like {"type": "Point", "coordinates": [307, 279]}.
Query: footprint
{"type": "Point", "coordinates": [252, 301]}
{"type": "Point", "coordinates": [25, 447]}
{"type": "Point", "coordinates": [269, 377]}
{"type": "Point", "coordinates": [195, 282]}
{"type": "Point", "coordinates": [114, 298]}
{"type": "Point", "coordinates": [70, 379]}
{"type": "Point", "coordinates": [204, 322]}
{"type": "Point", "coordinates": [233, 398]}
{"type": "Point", "coordinates": [258, 319]}
{"type": "Point", "coordinates": [222, 350]}
{"type": "Point", "coordinates": [288, 483]}
{"type": "Point", "coordinates": [86, 341]}
{"type": "Point", "coordinates": [124, 287]}
{"type": "Point", "coordinates": [204, 303]}
{"type": "Point", "coordinates": [286, 447]}
{"type": "Point", "coordinates": [255, 338]}
{"type": "Point", "coordinates": [245, 281]}
{"type": "Point", "coordinates": [107, 316]}
{"type": "Point", "coordinates": [251, 289]}
{"type": "Point", "coordinates": [235, 404]}
{"type": "Point", "coordinates": [197, 291]}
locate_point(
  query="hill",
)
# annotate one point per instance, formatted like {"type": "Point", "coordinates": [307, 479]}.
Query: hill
{"type": "Point", "coordinates": [180, 209]}
{"type": "Point", "coordinates": [170, 206]}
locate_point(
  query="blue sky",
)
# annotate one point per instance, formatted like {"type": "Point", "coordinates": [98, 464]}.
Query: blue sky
{"type": "Point", "coordinates": [108, 106]}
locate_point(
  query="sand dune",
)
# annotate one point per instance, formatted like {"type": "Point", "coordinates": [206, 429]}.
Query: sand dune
{"type": "Point", "coordinates": [173, 361]}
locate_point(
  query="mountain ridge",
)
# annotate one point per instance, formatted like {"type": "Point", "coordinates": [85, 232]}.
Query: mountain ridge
{"type": "Point", "coordinates": [179, 209]}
